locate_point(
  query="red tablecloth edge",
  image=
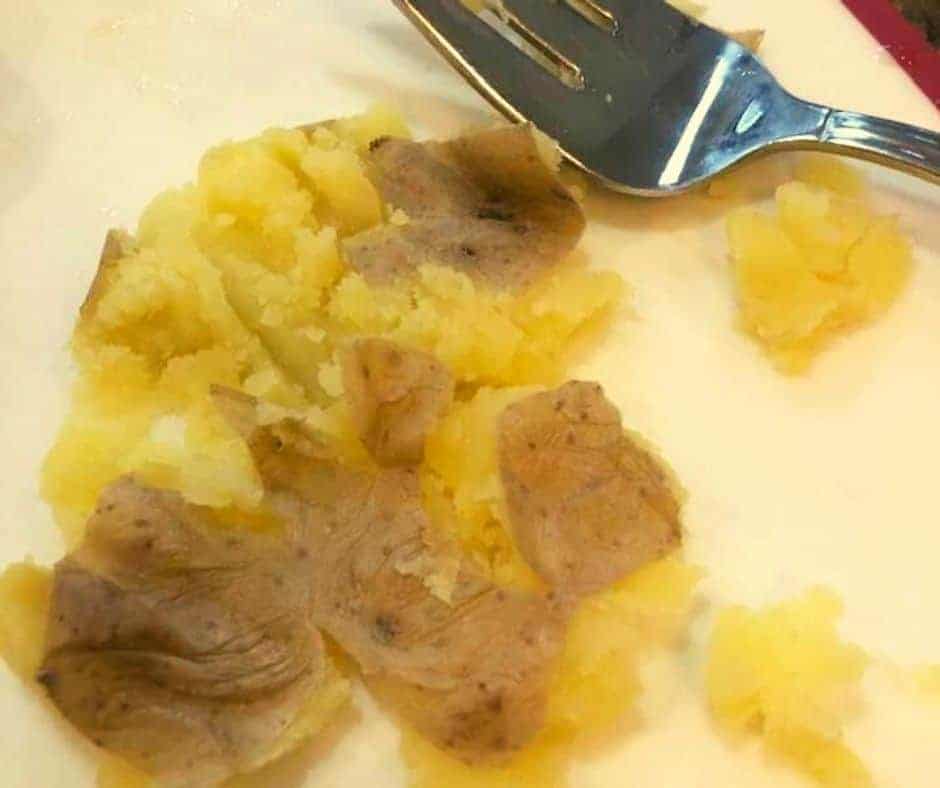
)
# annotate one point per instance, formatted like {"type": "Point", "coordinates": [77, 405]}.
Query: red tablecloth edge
{"type": "Point", "coordinates": [905, 42]}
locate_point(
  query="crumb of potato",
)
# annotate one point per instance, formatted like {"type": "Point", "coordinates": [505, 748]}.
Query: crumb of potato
{"type": "Point", "coordinates": [822, 265]}
{"type": "Point", "coordinates": [540, 765]}
{"type": "Point", "coordinates": [25, 591]}
{"type": "Point", "coordinates": [462, 487]}
{"type": "Point", "coordinates": [784, 673]}
{"type": "Point", "coordinates": [597, 681]}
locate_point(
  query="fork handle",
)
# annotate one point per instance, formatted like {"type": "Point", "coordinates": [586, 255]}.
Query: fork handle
{"type": "Point", "coordinates": [907, 148]}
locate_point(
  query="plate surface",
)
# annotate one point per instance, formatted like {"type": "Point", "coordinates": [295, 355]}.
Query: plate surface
{"type": "Point", "coordinates": [828, 479]}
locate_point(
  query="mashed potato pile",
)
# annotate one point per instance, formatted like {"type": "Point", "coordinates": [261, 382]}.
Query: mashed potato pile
{"type": "Point", "coordinates": [823, 264]}
{"type": "Point", "coordinates": [784, 673]}
{"type": "Point", "coordinates": [238, 279]}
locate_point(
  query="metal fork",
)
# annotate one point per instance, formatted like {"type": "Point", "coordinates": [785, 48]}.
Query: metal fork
{"type": "Point", "coordinates": [645, 98]}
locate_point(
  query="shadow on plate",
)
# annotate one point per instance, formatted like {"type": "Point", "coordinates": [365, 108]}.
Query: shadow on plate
{"type": "Point", "coordinates": [294, 769]}
{"type": "Point", "coordinates": [25, 135]}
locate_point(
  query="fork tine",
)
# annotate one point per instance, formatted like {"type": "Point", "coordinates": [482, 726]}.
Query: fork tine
{"type": "Point", "coordinates": [565, 27]}
{"type": "Point", "coordinates": [596, 14]}
{"type": "Point", "coordinates": [485, 57]}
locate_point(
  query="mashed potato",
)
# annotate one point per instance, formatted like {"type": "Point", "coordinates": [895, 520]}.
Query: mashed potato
{"type": "Point", "coordinates": [822, 265]}
{"type": "Point", "coordinates": [237, 279]}
{"type": "Point", "coordinates": [784, 673]}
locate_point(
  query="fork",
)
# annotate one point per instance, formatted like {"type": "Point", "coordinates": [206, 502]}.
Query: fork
{"type": "Point", "coordinates": [645, 98]}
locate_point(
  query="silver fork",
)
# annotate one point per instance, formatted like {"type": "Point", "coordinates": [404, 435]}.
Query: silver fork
{"type": "Point", "coordinates": [647, 99]}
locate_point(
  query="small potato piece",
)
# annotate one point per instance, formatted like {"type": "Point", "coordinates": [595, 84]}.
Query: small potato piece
{"type": "Point", "coordinates": [396, 396]}
{"type": "Point", "coordinates": [588, 506]}
{"type": "Point", "coordinates": [784, 672]}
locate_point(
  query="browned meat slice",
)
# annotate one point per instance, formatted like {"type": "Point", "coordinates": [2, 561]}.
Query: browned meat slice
{"type": "Point", "coordinates": [185, 648]}
{"type": "Point", "coordinates": [396, 395]}
{"type": "Point", "coordinates": [486, 204]}
{"type": "Point", "coordinates": [587, 505]}
{"type": "Point", "coordinates": [464, 662]}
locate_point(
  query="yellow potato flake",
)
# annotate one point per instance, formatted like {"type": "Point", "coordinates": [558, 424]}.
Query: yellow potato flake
{"type": "Point", "coordinates": [239, 279]}
{"type": "Point", "coordinates": [785, 674]}
{"type": "Point", "coordinates": [822, 265]}
{"type": "Point", "coordinates": [25, 591]}
{"type": "Point", "coordinates": [113, 772]}
{"type": "Point", "coordinates": [597, 682]}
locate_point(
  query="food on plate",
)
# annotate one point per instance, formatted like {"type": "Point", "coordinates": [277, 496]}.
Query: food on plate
{"type": "Point", "coordinates": [25, 590]}
{"type": "Point", "coordinates": [824, 264]}
{"type": "Point", "coordinates": [184, 648]}
{"type": "Point", "coordinates": [240, 279]}
{"type": "Point", "coordinates": [784, 673]}
{"type": "Point", "coordinates": [462, 489]}
{"type": "Point", "coordinates": [488, 204]}
{"type": "Point", "coordinates": [465, 662]}
{"type": "Point", "coordinates": [595, 688]}
{"type": "Point", "coordinates": [396, 396]}
{"type": "Point", "coordinates": [587, 505]}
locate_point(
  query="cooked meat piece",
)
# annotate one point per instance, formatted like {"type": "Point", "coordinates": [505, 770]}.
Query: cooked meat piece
{"type": "Point", "coordinates": [486, 204]}
{"type": "Point", "coordinates": [185, 648]}
{"type": "Point", "coordinates": [396, 395]}
{"type": "Point", "coordinates": [469, 672]}
{"type": "Point", "coordinates": [587, 505]}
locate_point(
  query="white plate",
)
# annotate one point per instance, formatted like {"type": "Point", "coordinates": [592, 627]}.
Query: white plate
{"type": "Point", "coordinates": [829, 479]}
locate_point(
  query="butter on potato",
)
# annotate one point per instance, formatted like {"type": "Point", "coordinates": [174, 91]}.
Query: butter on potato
{"type": "Point", "coordinates": [597, 681]}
